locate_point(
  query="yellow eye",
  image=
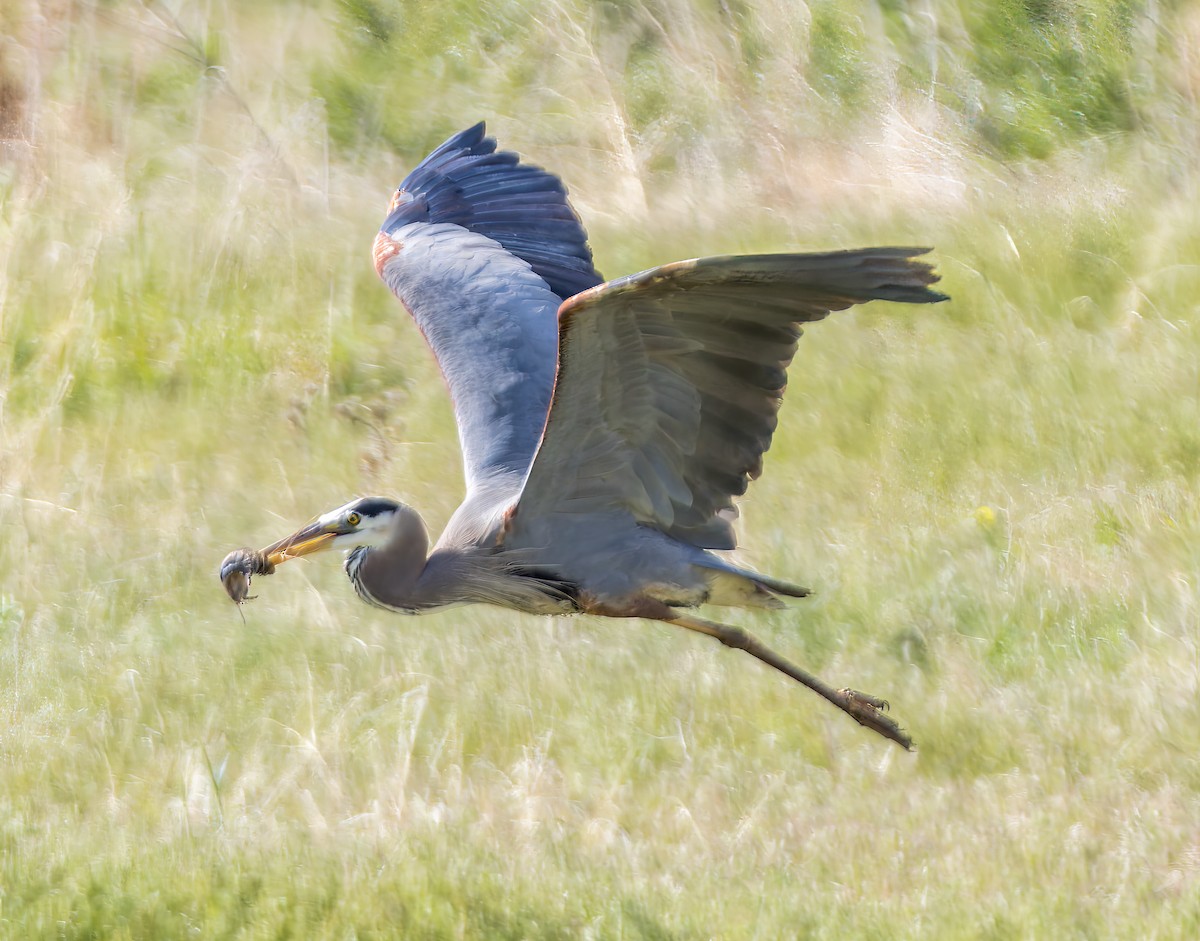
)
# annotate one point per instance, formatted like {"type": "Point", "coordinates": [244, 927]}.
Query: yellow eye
{"type": "Point", "coordinates": [353, 519]}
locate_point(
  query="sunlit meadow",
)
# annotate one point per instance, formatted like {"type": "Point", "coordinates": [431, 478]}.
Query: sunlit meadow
{"type": "Point", "coordinates": [994, 498]}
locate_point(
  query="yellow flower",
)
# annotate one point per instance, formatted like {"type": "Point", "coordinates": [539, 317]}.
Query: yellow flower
{"type": "Point", "coordinates": [985, 516]}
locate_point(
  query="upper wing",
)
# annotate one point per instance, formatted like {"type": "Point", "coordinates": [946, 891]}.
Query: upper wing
{"type": "Point", "coordinates": [467, 182]}
{"type": "Point", "coordinates": [481, 250]}
{"type": "Point", "coordinates": [669, 382]}
{"type": "Point", "coordinates": [491, 323]}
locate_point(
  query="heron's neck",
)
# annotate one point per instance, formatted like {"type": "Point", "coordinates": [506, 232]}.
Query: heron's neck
{"type": "Point", "coordinates": [390, 573]}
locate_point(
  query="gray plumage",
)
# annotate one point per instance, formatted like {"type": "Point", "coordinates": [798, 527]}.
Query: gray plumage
{"type": "Point", "coordinates": [606, 433]}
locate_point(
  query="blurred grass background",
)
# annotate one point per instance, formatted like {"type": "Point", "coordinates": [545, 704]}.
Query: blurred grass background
{"type": "Point", "coordinates": [995, 499]}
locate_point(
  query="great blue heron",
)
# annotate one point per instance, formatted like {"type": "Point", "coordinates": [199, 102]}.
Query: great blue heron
{"type": "Point", "coordinates": [605, 426]}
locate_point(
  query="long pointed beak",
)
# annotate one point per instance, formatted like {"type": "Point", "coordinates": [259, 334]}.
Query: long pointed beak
{"type": "Point", "coordinates": [312, 538]}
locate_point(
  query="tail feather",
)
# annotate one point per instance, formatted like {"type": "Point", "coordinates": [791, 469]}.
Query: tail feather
{"type": "Point", "coordinates": [780, 587]}
{"type": "Point", "coordinates": [742, 589]}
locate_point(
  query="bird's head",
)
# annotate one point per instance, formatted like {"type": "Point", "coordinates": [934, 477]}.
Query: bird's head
{"type": "Point", "coordinates": [367, 521]}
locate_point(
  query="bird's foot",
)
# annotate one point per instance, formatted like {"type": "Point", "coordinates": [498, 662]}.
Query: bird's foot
{"type": "Point", "coordinates": [869, 711]}
{"type": "Point", "coordinates": [880, 704]}
{"type": "Point", "coordinates": [238, 567]}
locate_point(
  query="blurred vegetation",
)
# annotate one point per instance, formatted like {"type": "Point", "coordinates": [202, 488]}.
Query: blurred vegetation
{"type": "Point", "coordinates": [1024, 78]}
{"type": "Point", "coordinates": [995, 499]}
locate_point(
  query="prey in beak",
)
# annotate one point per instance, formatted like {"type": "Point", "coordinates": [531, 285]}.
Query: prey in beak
{"type": "Point", "coordinates": [241, 565]}
{"type": "Point", "coordinates": [361, 522]}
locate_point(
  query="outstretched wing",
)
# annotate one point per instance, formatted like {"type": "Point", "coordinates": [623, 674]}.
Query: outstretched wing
{"type": "Point", "coordinates": [467, 182]}
{"type": "Point", "coordinates": [481, 249]}
{"type": "Point", "coordinates": [669, 382]}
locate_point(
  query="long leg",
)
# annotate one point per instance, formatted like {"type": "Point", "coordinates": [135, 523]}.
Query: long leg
{"type": "Point", "coordinates": [864, 709]}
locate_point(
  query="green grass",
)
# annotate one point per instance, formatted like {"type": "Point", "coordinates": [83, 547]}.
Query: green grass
{"type": "Point", "coordinates": [995, 499]}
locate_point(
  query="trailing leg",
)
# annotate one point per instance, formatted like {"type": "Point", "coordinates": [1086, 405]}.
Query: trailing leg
{"type": "Point", "coordinates": [864, 709]}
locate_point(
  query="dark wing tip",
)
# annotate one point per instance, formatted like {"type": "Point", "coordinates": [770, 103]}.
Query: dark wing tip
{"type": "Point", "coordinates": [470, 139]}
{"type": "Point", "coordinates": [466, 181]}
{"type": "Point", "coordinates": [908, 294]}
{"type": "Point", "coordinates": [916, 276]}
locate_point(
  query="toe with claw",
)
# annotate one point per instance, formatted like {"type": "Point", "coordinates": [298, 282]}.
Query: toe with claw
{"type": "Point", "coordinates": [869, 711]}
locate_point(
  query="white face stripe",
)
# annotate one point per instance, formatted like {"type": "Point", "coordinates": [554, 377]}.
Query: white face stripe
{"type": "Point", "coordinates": [333, 516]}
{"type": "Point", "coordinates": [371, 530]}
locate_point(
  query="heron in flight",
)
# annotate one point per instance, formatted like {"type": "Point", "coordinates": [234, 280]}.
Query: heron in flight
{"type": "Point", "coordinates": [606, 426]}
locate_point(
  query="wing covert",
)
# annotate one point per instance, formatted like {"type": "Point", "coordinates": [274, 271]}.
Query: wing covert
{"type": "Point", "coordinates": [669, 382]}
